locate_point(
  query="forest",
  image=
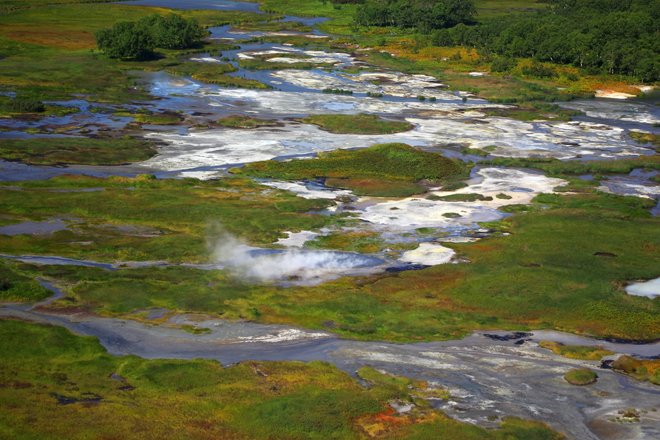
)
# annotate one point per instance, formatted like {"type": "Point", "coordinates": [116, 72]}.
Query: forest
{"type": "Point", "coordinates": [618, 37]}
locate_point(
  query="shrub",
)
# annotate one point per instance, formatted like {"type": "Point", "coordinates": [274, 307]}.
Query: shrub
{"type": "Point", "coordinates": [137, 40]}
{"type": "Point", "coordinates": [173, 31]}
{"type": "Point", "coordinates": [502, 64]}
{"type": "Point", "coordinates": [538, 70]}
{"type": "Point", "coordinates": [126, 41]}
{"type": "Point", "coordinates": [26, 105]}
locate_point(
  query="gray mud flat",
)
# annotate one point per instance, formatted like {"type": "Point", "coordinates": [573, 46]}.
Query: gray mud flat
{"type": "Point", "coordinates": [487, 377]}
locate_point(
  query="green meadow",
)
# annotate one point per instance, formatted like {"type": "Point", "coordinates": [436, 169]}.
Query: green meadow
{"type": "Point", "coordinates": [51, 377]}
{"type": "Point", "coordinates": [81, 151]}
{"type": "Point", "coordinates": [168, 220]}
{"type": "Point", "coordinates": [527, 279]}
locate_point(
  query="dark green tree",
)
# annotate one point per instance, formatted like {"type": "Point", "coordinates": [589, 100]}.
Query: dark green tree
{"type": "Point", "coordinates": [126, 41]}
{"type": "Point", "coordinates": [173, 31]}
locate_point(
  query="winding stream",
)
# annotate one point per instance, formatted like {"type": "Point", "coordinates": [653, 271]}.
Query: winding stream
{"type": "Point", "coordinates": [488, 374]}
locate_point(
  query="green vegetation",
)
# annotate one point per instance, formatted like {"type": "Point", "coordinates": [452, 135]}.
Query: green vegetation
{"type": "Point", "coordinates": [172, 31]}
{"type": "Point", "coordinates": [576, 351]}
{"type": "Point", "coordinates": [148, 219]}
{"type": "Point", "coordinates": [246, 122]}
{"type": "Point", "coordinates": [424, 15]}
{"type": "Point", "coordinates": [16, 286]}
{"type": "Point", "coordinates": [137, 40]}
{"type": "Point", "coordinates": [532, 112]}
{"type": "Point", "coordinates": [164, 118]}
{"type": "Point", "coordinates": [357, 124]}
{"type": "Point", "coordinates": [24, 105]}
{"type": "Point", "coordinates": [646, 138]}
{"type": "Point", "coordinates": [535, 278]}
{"type": "Point", "coordinates": [76, 151]}
{"type": "Point", "coordinates": [581, 376]}
{"type": "Point", "coordinates": [469, 197]}
{"type": "Point", "coordinates": [263, 63]}
{"type": "Point", "coordinates": [31, 108]}
{"type": "Point", "coordinates": [572, 32]}
{"type": "Point", "coordinates": [213, 73]}
{"type": "Point", "coordinates": [50, 377]}
{"type": "Point", "coordinates": [351, 241]}
{"type": "Point", "coordinates": [47, 50]}
{"type": "Point", "coordinates": [380, 170]}
{"type": "Point", "coordinates": [127, 41]}
{"type": "Point", "coordinates": [640, 369]}
{"type": "Point", "coordinates": [556, 167]}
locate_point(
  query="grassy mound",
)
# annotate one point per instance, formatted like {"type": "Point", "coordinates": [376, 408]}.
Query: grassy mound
{"type": "Point", "coordinates": [76, 151]}
{"type": "Point", "coordinates": [640, 369]}
{"type": "Point", "coordinates": [381, 170]}
{"type": "Point", "coordinates": [581, 376]}
{"type": "Point", "coordinates": [357, 124]}
{"type": "Point", "coordinates": [576, 351]}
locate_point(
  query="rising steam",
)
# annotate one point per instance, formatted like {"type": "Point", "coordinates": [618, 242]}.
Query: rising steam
{"type": "Point", "coordinates": [293, 264]}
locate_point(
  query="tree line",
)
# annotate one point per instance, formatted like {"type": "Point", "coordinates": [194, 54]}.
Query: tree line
{"type": "Point", "coordinates": [422, 14]}
{"type": "Point", "coordinates": [602, 36]}
{"type": "Point", "coordinates": [137, 40]}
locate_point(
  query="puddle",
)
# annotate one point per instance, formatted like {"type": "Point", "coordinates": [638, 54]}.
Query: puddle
{"type": "Point", "coordinates": [47, 227]}
{"type": "Point", "coordinates": [649, 289]}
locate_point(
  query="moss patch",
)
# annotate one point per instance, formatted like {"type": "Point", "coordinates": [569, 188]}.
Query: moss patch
{"type": "Point", "coordinates": [76, 151]}
{"type": "Point", "coordinates": [576, 351]}
{"type": "Point", "coordinates": [357, 124]}
{"type": "Point", "coordinates": [246, 122]}
{"type": "Point", "coordinates": [380, 170]}
{"type": "Point", "coordinates": [581, 376]}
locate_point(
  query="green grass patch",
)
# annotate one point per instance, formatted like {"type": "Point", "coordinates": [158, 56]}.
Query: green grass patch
{"type": "Point", "coordinates": [468, 197]}
{"type": "Point", "coordinates": [646, 138]}
{"type": "Point", "coordinates": [556, 167]}
{"type": "Point", "coordinates": [17, 286]}
{"type": "Point", "coordinates": [246, 122]}
{"type": "Point", "coordinates": [576, 351]}
{"type": "Point", "coordinates": [351, 241]}
{"type": "Point", "coordinates": [357, 124]}
{"type": "Point", "coordinates": [549, 273]}
{"type": "Point", "coordinates": [535, 111]}
{"type": "Point", "coordinates": [380, 170]}
{"type": "Point", "coordinates": [47, 50]}
{"type": "Point", "coordinates": [640, 369]}
{"type": "Point", "coordinates": [178, 215]}
{"type": "Point", "coordinates": [580, 376]}
{"type": "Point", "coordinates": [76, 151]}
{"type": "Point", "coordinates": [164, 118]}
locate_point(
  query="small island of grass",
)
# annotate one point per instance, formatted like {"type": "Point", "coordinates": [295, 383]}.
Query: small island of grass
{"type": "Point", "coordinates": [246, 122]}
{"type": "Point", "coordinates": [581, 376]}
{"type": "Point", "coordinates": [640, 369]}
{"type": "Point", "coordinates": [576, 351]}
{"type": "Point", "coordinates": [76, 151]}
{"type": "Point", "coordinates": [357, 124]}
{"type": "Point", "coordinates": [384, 170]}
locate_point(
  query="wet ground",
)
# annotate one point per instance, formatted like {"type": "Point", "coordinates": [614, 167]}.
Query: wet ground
{"type": "Point", "coordinates": [487, 377]}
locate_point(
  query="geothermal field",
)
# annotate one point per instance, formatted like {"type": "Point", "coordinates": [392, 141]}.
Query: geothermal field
{"type": "Point", "coordinates": [293, 222]}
